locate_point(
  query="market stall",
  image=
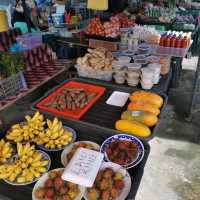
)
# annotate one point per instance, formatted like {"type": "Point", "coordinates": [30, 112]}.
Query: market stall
{"type": "Point", "coordinates": [68, 127]}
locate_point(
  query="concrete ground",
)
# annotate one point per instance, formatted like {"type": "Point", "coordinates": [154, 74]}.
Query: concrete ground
{"type": "Point", "coordinates": [172, 171]}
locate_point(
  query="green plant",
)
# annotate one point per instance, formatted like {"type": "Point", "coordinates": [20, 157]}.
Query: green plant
{"type": "Point", "coordinates": [172, 3]}
{"type": "Point", "coordinates": [10, 64]}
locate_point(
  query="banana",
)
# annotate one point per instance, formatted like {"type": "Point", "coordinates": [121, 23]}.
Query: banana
{"type": "Point", "coordinates": [55, 122]}
{"type": "Point", "coordinates": [18, 139]}
{"type": "Point", "coordinates": [29, 176]}
{"type": "Point", "coordinates": [49, 123]}
{"type": "Point", "coordinates": [5, 151]}
{"type": "Point", "coordinates": [41, 169]}
{"type": "Point", "coordinates": [21, 179]}
{"type": "Point", "coordinates": [16, 126]}
{"type": "Point", "coordinates": [36, 164]}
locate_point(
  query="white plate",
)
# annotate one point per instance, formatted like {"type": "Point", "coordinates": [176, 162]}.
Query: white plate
{"type": "Point", "coordinates": [64, 160]}
{"type": "Point", "coordinates": [45, 156]}
{"type": "Point", "coordinates": [127, 179]}
{"type": "Point", "coordinates": [44, 178]}
{"type": "Point", "coordinates": [118, 99]}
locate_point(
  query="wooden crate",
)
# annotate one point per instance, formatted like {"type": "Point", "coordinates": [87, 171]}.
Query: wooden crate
{"type": "Point", "coordinates": [111, 46]}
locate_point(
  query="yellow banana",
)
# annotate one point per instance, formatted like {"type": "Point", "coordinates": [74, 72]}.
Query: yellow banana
{"type": "Point", "coordinates": [19, 149]}
{"type": "Point", "coordinates": [21, 179]}
{"type": "Point", "coordinates": [41, 169]}
{"type": "Point", "coordinates": [16, 126]}
{"type": "Point", "coordinates": [55, 121]}
{"type": "Point", "coordinates": [36, 164]}
{"type": "Point", "coordinates": [18, 139]}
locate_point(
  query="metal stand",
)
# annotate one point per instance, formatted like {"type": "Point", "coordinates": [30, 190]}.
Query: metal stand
{"type": "Point", "coordinates": [195, 100]}
{"type": "Point", "coordinates": [176, 64]}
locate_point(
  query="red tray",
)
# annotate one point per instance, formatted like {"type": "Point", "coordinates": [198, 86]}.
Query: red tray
{"type": "Point", "coordinates": [78, 113]}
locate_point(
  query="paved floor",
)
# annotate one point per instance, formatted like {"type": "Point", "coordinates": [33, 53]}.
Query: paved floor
{"type": "Point", "coordinates": [173, 168]}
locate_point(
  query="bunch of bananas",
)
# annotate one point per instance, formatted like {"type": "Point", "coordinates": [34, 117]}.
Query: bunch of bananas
{"type": "Point", "coordinates": [5, 151]}
{"type": "Point", "coordinates": [27, 131]}
{"type": "Point", "coordinates": [55, 136]}
{"type": "Point", "coordinates": [27, 167]}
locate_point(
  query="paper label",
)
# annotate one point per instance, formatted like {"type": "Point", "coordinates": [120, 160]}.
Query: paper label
{"type": "Point", "coordinates": [136, 113]}
{"type": "Point", "coordinates": [84, 164]}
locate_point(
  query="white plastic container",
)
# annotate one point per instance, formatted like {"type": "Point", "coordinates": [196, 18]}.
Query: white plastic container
{"type": "Point", "coordinates": [146, 86]}
{"type": "Point", "coordinates": [140, 59]}
{"type": "Point", "coordinates": [133, 82]}
{"type": "Point", "coordinates": [123, 59]}
{"type": "Point", "coordinates": [133, 74]}
{"type": "Point", "coordinates": [88, 72]}
{"type": "Point", "coordinates": [119, 79]}
{"type": "Point", "coordinates": [156, 68]}
{"type": "Point", "coordinates": [147, 72]}
{"type": "Point", "coordinates": [133, 66]}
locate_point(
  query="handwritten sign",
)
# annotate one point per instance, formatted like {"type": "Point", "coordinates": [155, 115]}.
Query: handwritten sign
{"type": "Point", "coordinates": [83, 167]}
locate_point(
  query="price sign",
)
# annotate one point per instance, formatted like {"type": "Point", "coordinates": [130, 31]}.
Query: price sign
{"type": "Point", "coordinates": [83, 167]}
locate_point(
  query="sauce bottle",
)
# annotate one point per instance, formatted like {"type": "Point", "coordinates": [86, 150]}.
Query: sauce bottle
{"type": "Point", "coordinates": [178, 42]}
{"type": "Point", "coordinates": [184, 42]}
{"type": "Point", "coordinates": [173, 41]}
{"type": "Point", "coordinates": [167, 41]}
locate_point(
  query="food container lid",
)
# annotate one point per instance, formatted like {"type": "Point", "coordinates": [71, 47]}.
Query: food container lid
{"type": "Point", "coordinates": [83, 167]}
{"type": "Point", "coordinates": [134, 66]}
{"type": "Point", "coordinates": [124, 59]}
{"type": "Point", "coordinates": [144, 47]}
{"type": "Point", "coordinates": [128, 53]}
{"type": "Point", "coordinates": [155, 59]}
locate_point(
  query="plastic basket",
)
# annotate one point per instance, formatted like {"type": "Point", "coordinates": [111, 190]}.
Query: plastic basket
{"type": "Point", "coordinates": [176, 52]}
{"type": "Point", "coordinates": [89, 72]}
{"type": "Point", "coordinates": [11, 85]}
{"type": "Point", "coordinates": [30, 40]}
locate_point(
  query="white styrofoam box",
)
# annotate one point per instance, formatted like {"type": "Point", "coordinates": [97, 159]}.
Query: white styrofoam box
{"type": "Point", "coordinates": [83, 167]}
{"type": "Point", "coordinates": [118, 98]}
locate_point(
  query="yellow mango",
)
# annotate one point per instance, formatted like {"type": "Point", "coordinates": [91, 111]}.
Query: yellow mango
{"type": "Point", "coordinates": [133, 127]}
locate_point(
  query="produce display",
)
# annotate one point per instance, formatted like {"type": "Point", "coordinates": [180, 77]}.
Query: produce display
{"type": "Point", "coordinates": [33, 130]}
{"type": "Point", "coordinates": [95, 27]}
{"type": "Point", "coordinates": [97, 59]}
{"type": "Point", "coordinates": [55, 187]}
{"type": "Point", "coordinates": [6, 151]}
{"type": "Point", "coordinates": [122, 152]}
{"type": "Point", "coordinates": [27, 166]}
{"type": "Point", "coordinates": [143, 111]}
{"type": "Point", "coordinates": [55, 137]}
{"type": "Point", "coordinates": [159, 12]}
{"type": "Point", "coordinates": [186, 19]}
{"type": "Point", "coordinates": [110, 28]}
{"type": "Point", "coordinates": [108, 185]}
{"type": "Point", "coordinates": [71, 99]}
{"type": "Point", "coordinates": [28, 130]}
